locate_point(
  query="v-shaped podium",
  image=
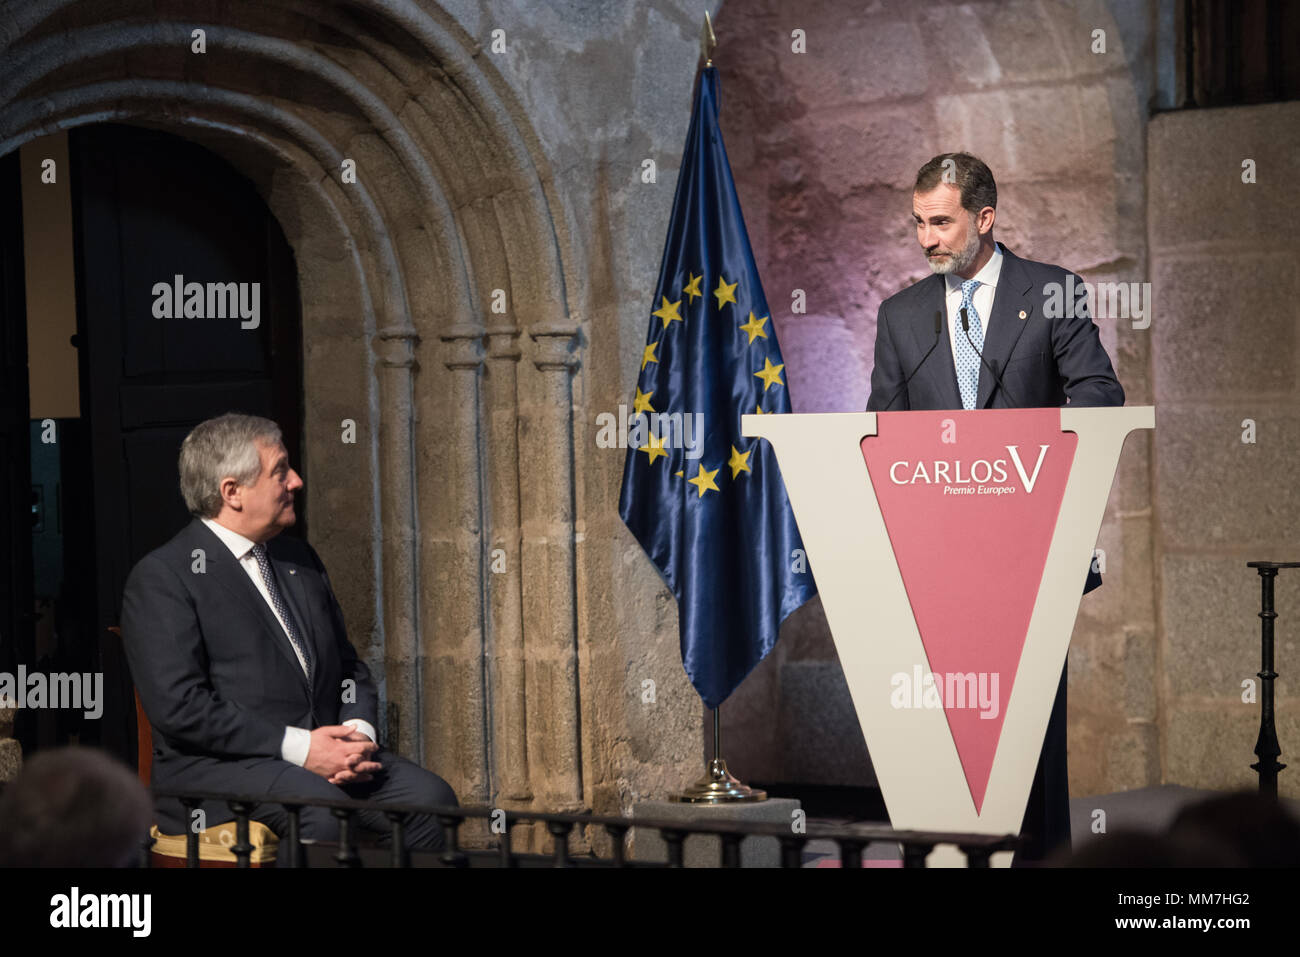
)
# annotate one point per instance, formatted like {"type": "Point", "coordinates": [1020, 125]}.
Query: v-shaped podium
{"type": "Point", "coordinates": [951, 551]}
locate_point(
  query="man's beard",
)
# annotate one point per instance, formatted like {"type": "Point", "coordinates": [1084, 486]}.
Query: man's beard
{"type": "Point", "coordinates": [958, 261]}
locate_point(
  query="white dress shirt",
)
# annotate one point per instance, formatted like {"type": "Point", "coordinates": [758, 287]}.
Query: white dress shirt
{"type": "Point", "coordinates": [982, 298]}
{"type": "Point", "coordinates": [297, 741]}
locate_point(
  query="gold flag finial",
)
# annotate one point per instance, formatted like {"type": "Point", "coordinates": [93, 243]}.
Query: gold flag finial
{"type": "Point", "coordinates": [708, 41]}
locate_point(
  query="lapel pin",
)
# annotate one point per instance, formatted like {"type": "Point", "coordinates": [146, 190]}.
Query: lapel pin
{"type": "Point", "coordinates": [294, 571]}
{"type": "Point", "coordinates": [1022, 314]}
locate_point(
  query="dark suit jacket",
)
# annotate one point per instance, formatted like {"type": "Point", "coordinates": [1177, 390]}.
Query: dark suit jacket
{"type": "Point", "coordinates": [216, 673]}
{"type": "Point", "coordinates": [1043, 361]}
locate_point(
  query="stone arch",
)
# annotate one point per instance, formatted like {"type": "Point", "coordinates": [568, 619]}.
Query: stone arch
{"type": "Point", "coordinates": [452, 201]}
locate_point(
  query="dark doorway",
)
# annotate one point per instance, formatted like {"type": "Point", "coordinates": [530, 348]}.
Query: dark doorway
{"type": "Point", "coordinates": [149, 207]}
{"type": "Point", "coordinates": [16, 603]}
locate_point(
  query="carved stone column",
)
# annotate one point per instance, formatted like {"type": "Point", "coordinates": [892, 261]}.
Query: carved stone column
{"type": "Point", "coordinates": [395, 368]}
{"type": "Point", "coordinates": [551, 669]}
{"type": "Point", "coordinates": [457, 719]}
{"type": "Point", "coordinates": [504, 586]}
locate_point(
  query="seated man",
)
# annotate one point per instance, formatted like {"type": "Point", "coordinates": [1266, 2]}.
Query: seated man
{"type": "Point", "coordinates": [238, 649]}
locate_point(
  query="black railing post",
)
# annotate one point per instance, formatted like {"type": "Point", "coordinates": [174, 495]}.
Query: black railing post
{"type": "Point", "coordinates": [401, 854]}
{"type": "Point", "coordinates": [242, 848]}
{"type": "Point", "coordinates": [617, 834]}
{"type": "Point", "coordinates": [560, 834]}
{"type": "Point", "coordinates": [914, 853]}
{"type": "Point", "coordinates": [451, 855]}
{"type": "Point", "coordinates": [976, 856]}
{"type": "Point", "coordinates": [347, 855]}
{"type": "Point", "coordinates": [731, 850]}
{"type": "Point", "coordinates": [1266, 745]}
{"type": "Point", "coordinates": [673, 839]}
{"type": "Point", "coordinates": [191, 835]}
{"type": "Point", "coordinates": [297, 853]}
{"type": "Point", "coordinates": [506, 852]}
{"type": "Point", "coordinates": [850, 852]}
{"type": "Point", "coordinates": [791, 850]}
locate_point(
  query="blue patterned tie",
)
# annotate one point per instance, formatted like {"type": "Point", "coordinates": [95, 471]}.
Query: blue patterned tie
{"type": "Point", "coordinates": [263, 563]}
{"type": "Point", "coordinates": [967, 358]}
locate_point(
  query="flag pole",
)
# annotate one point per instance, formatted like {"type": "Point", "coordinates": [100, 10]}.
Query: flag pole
{"type": "Point", "coordinates": [708, 42]}
{"type": "Point", "coordinates": [717, 786]}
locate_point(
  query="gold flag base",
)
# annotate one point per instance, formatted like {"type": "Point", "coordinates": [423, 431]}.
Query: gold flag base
{"type": "Point", "coordinates": [718, 787]}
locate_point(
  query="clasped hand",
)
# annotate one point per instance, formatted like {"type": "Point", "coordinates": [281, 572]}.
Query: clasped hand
{"type": "Point", "coordinates": [339, 754]}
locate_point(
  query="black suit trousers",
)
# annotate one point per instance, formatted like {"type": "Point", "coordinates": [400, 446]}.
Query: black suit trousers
{"type": "Point", "coordinates": [1046, 825]}
{"type": "Point", "coordinates": [400, 782]}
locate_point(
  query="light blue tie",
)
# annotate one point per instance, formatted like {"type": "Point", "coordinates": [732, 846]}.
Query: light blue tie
{"type": "Point", "coordinates": [967, 358]}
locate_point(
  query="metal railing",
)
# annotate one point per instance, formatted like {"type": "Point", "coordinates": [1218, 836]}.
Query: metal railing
{"type": "Point", "coordinates": [851, 839]}
{"type": "Point", "coordinates": [1266, 746]}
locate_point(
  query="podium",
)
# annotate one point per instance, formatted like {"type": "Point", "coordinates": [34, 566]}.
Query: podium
{"type": "Point", "coordinates": [950, 550]}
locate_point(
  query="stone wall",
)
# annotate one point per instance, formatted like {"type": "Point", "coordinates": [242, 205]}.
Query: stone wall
{"type": "Point", "coordinates": [1226, 367]}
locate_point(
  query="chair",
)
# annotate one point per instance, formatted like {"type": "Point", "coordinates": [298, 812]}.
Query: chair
{"type": "Point", "coordinates": [169, 850]}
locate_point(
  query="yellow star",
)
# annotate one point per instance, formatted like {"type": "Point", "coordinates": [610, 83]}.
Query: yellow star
{"type": "Point", "coordinates": [758, 410]}
{"type": "Point", "coordinates": [739, 461]}
{"type": "Point", "coordinates": [770, 373]}
{"type": "Point", "coordinates": [668, 311]}
{"type": "Point", "coordinates": [726, 293]}
{"type": "Point", "coordinates": [642, 402]}
{"type": "Point", "coordinates": [678, 474]}
{"type": "Point", "coordinates": [754, 327]}
{"type": "Point", "coordinates": [692, 290]}
{"type": "Point", "coordinates": [704, 481]}
{"type": "Point", "coordinates": [649, 356]}
{"type": "Point", "coordinates": [654, 449]}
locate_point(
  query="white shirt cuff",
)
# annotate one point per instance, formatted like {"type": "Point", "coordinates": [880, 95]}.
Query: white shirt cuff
{"type": "Point", "coordinates": [364, 726]}
{"type": "Point", "coordinates": [296, 744]}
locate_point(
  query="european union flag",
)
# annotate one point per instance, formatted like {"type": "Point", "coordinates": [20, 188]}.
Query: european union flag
{"type": "Point", "coordinates": [706, 503]}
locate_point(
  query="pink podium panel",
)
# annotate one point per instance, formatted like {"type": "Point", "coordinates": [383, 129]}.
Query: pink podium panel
{"type": "Point", "coordinates": [951, 551]}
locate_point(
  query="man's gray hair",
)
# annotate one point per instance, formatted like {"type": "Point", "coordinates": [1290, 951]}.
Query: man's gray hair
{"type": "Point", "coordinates": [224, 447]}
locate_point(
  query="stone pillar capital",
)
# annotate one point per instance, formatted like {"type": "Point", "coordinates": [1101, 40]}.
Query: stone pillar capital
{"type": "Point", "coordinates": [504, 344]}
{"type": "Point", "coordinates": [556, 348]}
{"type": "Point", "coordinates": [395, 348]}
{"type": "Point", "coordinates": [464, 349]}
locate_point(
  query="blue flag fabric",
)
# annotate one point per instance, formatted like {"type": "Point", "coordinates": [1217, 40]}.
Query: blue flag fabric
{"type": "Point", "coordinates": [706, 503]}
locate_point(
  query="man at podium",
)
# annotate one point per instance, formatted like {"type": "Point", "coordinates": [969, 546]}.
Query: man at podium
{"type": "Point", "coordinates": [980, 333]}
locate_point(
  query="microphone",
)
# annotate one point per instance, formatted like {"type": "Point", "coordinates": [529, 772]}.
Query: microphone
{"type": "Point", "coordinates": [938, 330]}
{"type": "Point", "coordinates": [992, 367]}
